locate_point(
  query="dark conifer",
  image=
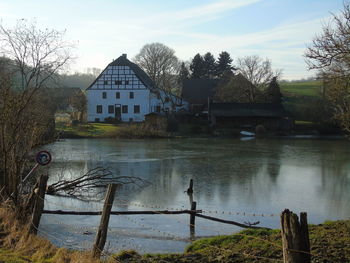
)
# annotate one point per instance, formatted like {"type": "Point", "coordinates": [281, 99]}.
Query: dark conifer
{"type": "Point", "coordinates": [273, 92]}
{"type": "Point", "coordinates": [223, 64]}
{"type": "Point", "coordinates": [209, 65]}
{"type": "Point", "coordinates": [197, 67]}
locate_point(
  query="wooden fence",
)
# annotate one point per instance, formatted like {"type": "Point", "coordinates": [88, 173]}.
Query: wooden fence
{"type": "Point", "coordinates": [295, 237]}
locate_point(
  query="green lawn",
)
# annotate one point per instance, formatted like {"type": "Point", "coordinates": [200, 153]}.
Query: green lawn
{"type": "Point", "coordinates": [298, 89]}
{"type": "Point", "coordinates": [89, 130]}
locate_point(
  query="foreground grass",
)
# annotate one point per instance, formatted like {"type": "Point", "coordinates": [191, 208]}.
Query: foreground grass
{"type": "Point", "coordinates": [330, 242]}
{"type": "Point", "coordinates": [17, 246]}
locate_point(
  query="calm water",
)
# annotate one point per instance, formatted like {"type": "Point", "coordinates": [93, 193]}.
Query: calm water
{"type": "Point", "coordinates": [231, 177]}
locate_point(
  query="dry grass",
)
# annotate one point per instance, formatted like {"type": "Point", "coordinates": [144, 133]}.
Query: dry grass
{"type": "Point", "coordinates": [19, 246]}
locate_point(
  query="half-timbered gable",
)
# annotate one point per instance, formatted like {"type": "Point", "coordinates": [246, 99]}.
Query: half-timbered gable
{"type": "Point", "coordinates": [123, 91]}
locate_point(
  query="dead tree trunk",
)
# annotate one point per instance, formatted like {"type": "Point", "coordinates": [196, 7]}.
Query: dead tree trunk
{"type": "Point", "coordinates": [38, 204]}
{"type": "Point", "coordinates": [101, 235]}
{"type": "Point", "coordinates": [295, 238]}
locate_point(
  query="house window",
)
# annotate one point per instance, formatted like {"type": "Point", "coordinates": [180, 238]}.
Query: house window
{"type": "Point", "coordinates": [117, 95]}
{"type": "Point", "coordinates": [126, 82]}
{"type": "Point", "coordinates": [125, 109]}
{"type": "Point", "coordinates": [158, 109]}
{"type": "Point", "coordinates": [136, 108]}
{"type": "Point", "coordinates": [110, 108]}
{"type": "Point", "coordinates": [99, 109]}
{"type": "Point", "coordinates": [104, 95]}
{"type": "Point", "coordinates": [118, 82]}
{"type": "Point", "coordinates": [105, 82]}
{"type": "Point", "coordinates": [131, 95]}
{"type": "Point", "coordinates": [97, 119]}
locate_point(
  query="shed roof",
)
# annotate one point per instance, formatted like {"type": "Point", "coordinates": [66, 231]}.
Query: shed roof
{"type": "Point", "coordinates": [197, 91]}
{"type": "Point", "coordinates": [248, 110]}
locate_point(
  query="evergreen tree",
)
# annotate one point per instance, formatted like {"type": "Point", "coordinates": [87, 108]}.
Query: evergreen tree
{"type": "Point", "coordinates": [223, 64]}
{"type": "Point", "coordinates": [273, 92]}
{"type": "Point", "coordinates": [209, 65]}
{"type": "Point", "coordinates": [197, 67]}
{"type": "Point", "coordinates": [183, 74]}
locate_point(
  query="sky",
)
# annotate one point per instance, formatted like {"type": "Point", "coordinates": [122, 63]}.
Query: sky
{"type": "Point", "coordinates": [102, 30]}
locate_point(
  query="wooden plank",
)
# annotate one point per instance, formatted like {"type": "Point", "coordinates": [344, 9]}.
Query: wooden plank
{"type": "Point", "coordinates": [229, 222]}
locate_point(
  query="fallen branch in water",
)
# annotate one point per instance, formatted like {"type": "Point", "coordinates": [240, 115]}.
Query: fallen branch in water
{"type": "Point", "coordinates": [98, 177]}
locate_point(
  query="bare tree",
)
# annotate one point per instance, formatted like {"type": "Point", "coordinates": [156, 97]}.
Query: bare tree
{"type": "Point", "coordinates": [330, 55]}
{"type": "Point", "coordinates": [162, 66]}
{"type": "Point", "coordinates": [33, 58]}
{"type": "Point", "coordinates": [257, 70]}
{"type": "Point", "coordinates": [79, 103]}
{"type": "Point", "coordinates": [236, 88]}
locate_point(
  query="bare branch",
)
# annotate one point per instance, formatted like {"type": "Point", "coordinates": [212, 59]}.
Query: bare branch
{"type": "Point", "coordinates": [95, 178]}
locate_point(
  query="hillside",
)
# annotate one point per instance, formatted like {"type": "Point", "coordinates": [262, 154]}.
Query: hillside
{"type": "Point", "coordinates": [303, 100]}
{"type": "Point", "coordinates": [301, 89]}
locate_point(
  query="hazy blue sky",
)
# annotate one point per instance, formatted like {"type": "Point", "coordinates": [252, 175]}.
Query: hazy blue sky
{"type": "Point", "coordinates": [104, 29]}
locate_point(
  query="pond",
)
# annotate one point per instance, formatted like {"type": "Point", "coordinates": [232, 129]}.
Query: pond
{"type": "Point", "coordinates": [246, 181]}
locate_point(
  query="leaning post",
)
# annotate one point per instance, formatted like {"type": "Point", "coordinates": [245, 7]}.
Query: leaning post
{"type": "Point", "coordinates": [101, 235]}
{"type": "Point", "coordinates": [193, 218]}
{"type": "Point", "coordinates": [39, 200]}
{"type": "Point", "coordinates": [295, 238]}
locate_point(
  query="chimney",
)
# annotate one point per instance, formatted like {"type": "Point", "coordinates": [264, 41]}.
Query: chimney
{"type": "Point", "coordinates": [124, 55]}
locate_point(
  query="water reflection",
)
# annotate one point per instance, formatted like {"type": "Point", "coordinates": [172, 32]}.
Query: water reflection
{"type": "Point", "coordinates": [259, 176]}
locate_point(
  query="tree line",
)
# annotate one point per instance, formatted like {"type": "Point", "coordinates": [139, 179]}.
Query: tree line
{"type": "Point", "coordinates": [257, 81]}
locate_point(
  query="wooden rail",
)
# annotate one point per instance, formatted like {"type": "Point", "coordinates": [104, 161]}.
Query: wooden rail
{"type": "Point", "coordinates": [92, 213]}
{"type": "Point", "coordinates": [229, 222]}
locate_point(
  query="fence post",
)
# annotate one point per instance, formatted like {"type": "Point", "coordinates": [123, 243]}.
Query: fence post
{"type": "Point", "coordinates": [101, 235]}
{"type": "Point", "coordinates": [38, 207]}
{"type": "Point", "coordinates": [295, 238]}
{"type": "Point", "coordinates": [190, 188]}
{"type": "Point", "coordinates": [193, 219]}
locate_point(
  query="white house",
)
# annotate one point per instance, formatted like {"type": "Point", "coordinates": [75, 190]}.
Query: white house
{"type": "Point", "coordinates": [125, 92]}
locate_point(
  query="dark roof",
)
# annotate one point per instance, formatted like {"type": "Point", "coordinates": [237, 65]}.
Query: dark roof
{"type": "Point", "coordinates": [197, 91]}
{"type": "Point", "coordinates": [123, 61]}
{"type": "Point", "coordinates": [248, 110]}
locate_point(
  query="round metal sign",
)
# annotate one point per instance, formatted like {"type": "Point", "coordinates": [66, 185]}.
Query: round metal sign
{"type": "Point", "coordinates": [43, 158]}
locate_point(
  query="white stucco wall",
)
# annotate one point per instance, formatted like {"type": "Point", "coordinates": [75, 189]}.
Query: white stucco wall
{"type": "Point", "coordinates": [122, 79]}
{"type": "Point", "coordinates": [141, 98]}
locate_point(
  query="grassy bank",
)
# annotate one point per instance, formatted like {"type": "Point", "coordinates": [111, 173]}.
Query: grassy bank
{"type": "Point", "coordinates": [105, 130]}
{"type": "Point", "coordinates": [330, 242]}
{"type": "Point", "coordinates": [86, 130]}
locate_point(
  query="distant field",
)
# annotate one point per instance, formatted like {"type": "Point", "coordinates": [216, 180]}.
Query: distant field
{"type": "Point", "coordinates": [306, 88]}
